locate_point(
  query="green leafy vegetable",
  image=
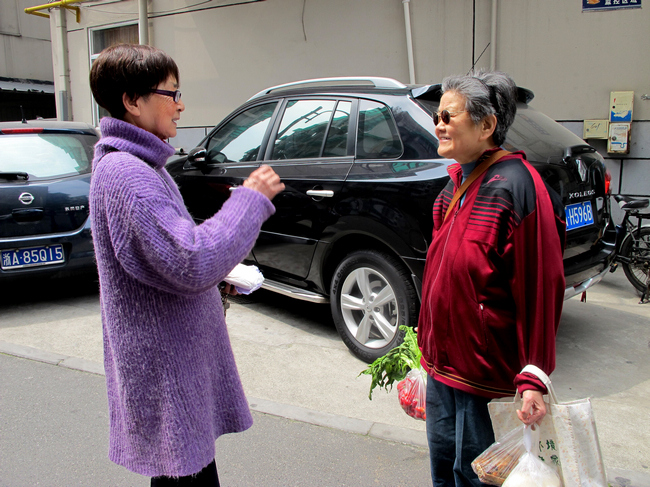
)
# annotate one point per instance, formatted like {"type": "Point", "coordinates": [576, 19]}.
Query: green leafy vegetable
{"type": "Point", "coordinates": [396, 363]}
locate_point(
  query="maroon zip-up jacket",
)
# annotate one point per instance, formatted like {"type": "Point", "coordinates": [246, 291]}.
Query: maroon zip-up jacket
{"type": "Point", "coordinates": [493, 282]}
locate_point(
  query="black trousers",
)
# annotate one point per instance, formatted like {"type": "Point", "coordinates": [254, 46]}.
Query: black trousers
{"type": "Point", "coordinates": [205, 478]}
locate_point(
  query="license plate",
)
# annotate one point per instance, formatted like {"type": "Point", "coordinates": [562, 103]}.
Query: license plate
{"type": "Point", "coordinates": [32, 257]}
{"type": "Point", "coordinates": [579, 215]}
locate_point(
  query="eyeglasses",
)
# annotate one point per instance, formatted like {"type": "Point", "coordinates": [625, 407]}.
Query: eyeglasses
{"type": "Point", "coordinates": [176, 95]}
{"type": "Point", "coordinates": [445, 116]}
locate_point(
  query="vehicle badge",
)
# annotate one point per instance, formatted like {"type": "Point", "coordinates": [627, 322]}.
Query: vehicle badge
{"type": "Point", "coordinates": [582, 170]}
{"type": "Point", "coordinates": [26, 198]}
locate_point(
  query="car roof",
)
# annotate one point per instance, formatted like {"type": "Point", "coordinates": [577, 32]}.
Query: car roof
{"type": "Point", "coordinates": [318, 85]}
{"type": "Point", "coordinates": [364, 85]}
{"type": "Point", "coordinates": [51, 125]}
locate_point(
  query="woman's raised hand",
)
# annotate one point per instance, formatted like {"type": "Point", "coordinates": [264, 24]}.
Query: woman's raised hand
{"type": "Point", "coordinates": [266, 181]}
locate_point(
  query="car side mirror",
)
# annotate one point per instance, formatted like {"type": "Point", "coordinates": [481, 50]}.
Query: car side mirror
{"type": "Point", "coordinates": [197, 155]}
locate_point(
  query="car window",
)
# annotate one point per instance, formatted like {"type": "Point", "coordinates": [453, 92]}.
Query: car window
{"type": "Point", "coordinates": [239, 140]}
{"type": "Point", "coordinates": [336, 144]}
{"type": "Point", "coordinates": [302, 129]}
{"type": "Point", "coordinates": [532, 132]}
{"type": "Point", "coordinates": [539, 135]}
{"type": "Point", "coordinates": [46, 155]}
{"type": "Point", "coordinates": [377, 137]}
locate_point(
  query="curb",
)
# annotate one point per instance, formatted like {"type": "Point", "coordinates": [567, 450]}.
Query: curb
{"type": "Point", "coordinates": [351, 425]}
{"type": "Point", "coordinates": [616, 477]}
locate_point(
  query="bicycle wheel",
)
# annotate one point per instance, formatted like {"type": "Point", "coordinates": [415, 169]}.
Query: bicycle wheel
{"type": "Point", "coordinates": [638, 269]}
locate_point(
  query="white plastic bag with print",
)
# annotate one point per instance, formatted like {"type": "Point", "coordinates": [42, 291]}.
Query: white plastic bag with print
{"type": "Point", "coordinates": [530, 471]}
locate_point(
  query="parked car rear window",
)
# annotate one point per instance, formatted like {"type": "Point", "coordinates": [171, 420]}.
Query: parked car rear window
{"type": "Point", "coordinates": [46, 155]}
{"type": "Point", "coordinates": [240, 139]}
{"type": "Point", "coordinates": [533, 132]}
{"type": "Point", "coordinates": [377, 137]}
{"type": "Point", "coordinates": [539, 135]}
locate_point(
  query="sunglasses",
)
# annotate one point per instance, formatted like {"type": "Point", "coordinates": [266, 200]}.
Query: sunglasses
{"type": "Point", "coordinates": [445, 116]}
{"type": "Point", "coordinates": [176, 95]}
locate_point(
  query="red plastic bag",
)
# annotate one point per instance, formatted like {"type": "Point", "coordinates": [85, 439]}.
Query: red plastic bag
{"type": "Point", "coordinates": [412, 393]}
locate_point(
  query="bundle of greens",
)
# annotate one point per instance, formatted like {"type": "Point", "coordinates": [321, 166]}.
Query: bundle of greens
{"type": "Point", "coordinates": [396, 363]}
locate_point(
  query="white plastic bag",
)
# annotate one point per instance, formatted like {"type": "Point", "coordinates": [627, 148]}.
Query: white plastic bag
{"type": "Point", "coordinates": [245, 278]}
{"type": "Point", "coordinates": [530, 470]}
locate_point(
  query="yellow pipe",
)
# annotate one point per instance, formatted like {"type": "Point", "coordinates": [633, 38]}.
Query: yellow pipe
{"type": "Point", "coordinates": [59, 3]}
{"type": "Point", "coordinates": [40, 14]}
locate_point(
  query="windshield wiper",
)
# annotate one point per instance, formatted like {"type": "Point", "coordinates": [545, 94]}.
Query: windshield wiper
{"type": "Point", "coordinates": [11, 176]}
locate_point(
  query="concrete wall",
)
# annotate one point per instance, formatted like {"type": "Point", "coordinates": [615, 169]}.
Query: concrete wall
{"type": "Point", "coordinates": [25, 49]}
{"type": "Point", "coordinates": [569, 58]}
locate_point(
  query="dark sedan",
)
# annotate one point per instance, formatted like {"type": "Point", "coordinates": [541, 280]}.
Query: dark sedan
{"type": "Point", "coordinates": [45, 170]}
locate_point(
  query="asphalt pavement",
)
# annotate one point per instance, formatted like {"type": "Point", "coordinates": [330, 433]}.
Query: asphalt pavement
{"type": "Point", "coordinates": [314, 424]}
{"type": "Point", "coordinates": [55, 434]}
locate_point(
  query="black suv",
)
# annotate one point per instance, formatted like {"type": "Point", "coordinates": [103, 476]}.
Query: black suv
{"type": "Point", "coordinates": [359, 160]}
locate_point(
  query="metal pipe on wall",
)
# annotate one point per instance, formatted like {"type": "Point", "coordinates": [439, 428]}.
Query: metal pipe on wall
{"type": "Point", "coordinates": [409, 41]}
{"type": "Point", "coordinates": [493, 37]}
{"type": "Point", "coordinates": [143, 22]}
{"type": "Point", "coordinates": [58, 27]}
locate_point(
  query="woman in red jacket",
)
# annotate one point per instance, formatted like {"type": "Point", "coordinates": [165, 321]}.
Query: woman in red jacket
{"type": "Point", "coordinates": [493, 284]}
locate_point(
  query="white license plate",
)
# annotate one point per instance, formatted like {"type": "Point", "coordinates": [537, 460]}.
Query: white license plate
{"type": "Point", "coordinates": [32, 257]}
{"type": "Point", "coordinates": [579, 215]}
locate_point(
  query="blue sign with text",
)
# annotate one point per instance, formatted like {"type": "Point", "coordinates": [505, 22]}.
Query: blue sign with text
{"type": "Point", "coordinates": [609, 4]}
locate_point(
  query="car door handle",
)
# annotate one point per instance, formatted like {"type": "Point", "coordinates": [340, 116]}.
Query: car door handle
{"type": "Point", "coordinates": [320, 193]}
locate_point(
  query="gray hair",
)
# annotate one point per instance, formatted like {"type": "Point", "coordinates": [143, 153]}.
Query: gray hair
{"type": "Point", "coordinates": [487, 93]}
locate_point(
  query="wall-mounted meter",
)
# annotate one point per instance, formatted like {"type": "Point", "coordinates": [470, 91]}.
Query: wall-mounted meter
{"type": "Point", "coordinates": [619, 138]}
{"type": "Point", "coordinates": [621, 104]}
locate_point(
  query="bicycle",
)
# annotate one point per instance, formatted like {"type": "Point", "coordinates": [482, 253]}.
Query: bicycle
{"type": "Point", "coordinates": [633, 245]}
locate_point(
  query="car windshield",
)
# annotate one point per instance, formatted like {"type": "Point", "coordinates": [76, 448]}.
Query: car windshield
{"type": "Point", "coordinates": [46, 155]}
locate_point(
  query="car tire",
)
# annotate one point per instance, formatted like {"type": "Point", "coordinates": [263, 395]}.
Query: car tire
{"type": "Point", "coordinates": [637, 273]}
{"type": "Point", "coordinates": [372, 295]}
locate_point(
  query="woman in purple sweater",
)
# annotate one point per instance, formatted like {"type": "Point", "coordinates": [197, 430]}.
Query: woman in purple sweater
{"type": "Point", "coordinates": [172, 383]}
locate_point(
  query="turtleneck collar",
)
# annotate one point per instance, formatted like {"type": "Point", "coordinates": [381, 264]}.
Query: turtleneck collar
{"type": "Point", "coordinates": [126, 137]}
{"type": "Point", "coordinates": [467, 169]}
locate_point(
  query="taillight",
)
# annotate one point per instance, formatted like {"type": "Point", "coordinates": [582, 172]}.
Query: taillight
{"type": "Point", "coordinates": [608, 183]}
{"type": "Point", "coordinates": [22, 130]}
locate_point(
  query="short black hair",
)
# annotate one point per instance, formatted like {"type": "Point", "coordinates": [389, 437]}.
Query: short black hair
{"type": "Point", "coordinates": [134, 69]}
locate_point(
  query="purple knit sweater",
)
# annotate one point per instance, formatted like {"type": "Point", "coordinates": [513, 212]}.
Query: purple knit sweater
{"type": "Point", "coordinates": [173, 386]}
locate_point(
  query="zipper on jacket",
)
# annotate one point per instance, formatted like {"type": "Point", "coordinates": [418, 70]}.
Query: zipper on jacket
{"type": "Point", "coordinates": [444, 248]}
{"type": "Point", "coordinates": [484, 326]}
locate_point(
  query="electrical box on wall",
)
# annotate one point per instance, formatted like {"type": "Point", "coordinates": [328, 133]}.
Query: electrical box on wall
{"type": "Point", "coordinates": [621, 105]}
{"type": "Point", "coordinates": [595, 129]}
{"type": "Point", "coordinates": [619, 138]}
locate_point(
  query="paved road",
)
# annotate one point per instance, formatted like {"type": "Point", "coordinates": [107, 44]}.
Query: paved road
{"type": "Point", "coordinates": [293, 364]}
{"type": "Point", "coordinates": [54, 433]}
